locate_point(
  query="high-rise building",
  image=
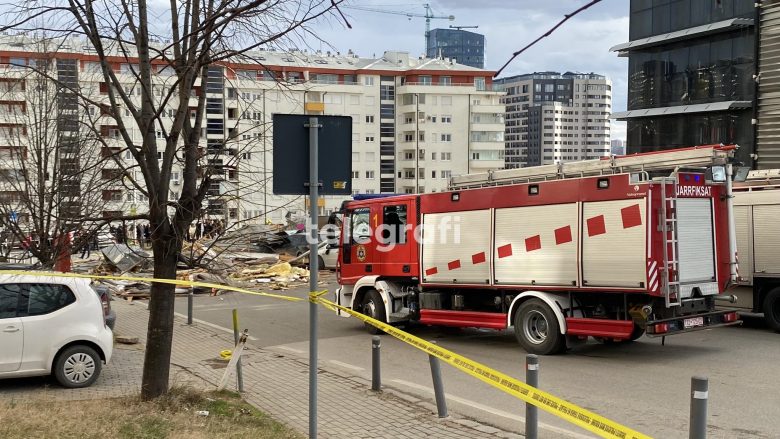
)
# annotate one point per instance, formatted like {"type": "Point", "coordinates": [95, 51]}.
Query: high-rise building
{"type": "Point", "coordinates": [553, 117]}
{"type": "Point", "coordinates": [618, 147]}
{"type": "Point", "coordinates": [691, 67]}
{"type": "Point", "coordinates": [467, 48]}
{"type": "Point", "coordinates": [416, 122]}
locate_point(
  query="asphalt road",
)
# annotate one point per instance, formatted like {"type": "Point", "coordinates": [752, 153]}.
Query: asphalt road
{"type": "Point", "coordinates": [643, 385]}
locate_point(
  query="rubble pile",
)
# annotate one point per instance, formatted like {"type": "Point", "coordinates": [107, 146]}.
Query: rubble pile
{"type": "Point", "coordinates": [254, 257]}
{"type": "Point", "coordinates": [278, 276]}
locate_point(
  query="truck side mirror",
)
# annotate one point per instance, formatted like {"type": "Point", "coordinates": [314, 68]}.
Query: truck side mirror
{"type": "Point", "coordinates": [741, 173]}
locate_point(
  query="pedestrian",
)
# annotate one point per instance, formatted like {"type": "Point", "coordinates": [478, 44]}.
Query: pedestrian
{"type": "Point", "coordinates": [139, 234]}
{"type": "Point", "coordinates": [147, 234]}
{"type": "Point", "coordinates": [84, 239]}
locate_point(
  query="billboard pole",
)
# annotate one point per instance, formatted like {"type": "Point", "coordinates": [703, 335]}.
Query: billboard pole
{"type": "Point", "coordinates": [313, 126]}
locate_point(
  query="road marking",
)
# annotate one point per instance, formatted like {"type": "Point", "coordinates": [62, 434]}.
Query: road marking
{"type": "Point", "coordinates": [346, 365]}
{"type": "Point", "coordinates": [488, 409]}
{"type": "Point", "coordinates": [285, 348]}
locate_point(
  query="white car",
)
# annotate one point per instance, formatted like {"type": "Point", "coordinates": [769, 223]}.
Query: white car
{"type": "Point", "coordinates": [52, 326]}
{"type": "Point", "coordinates": [328, 256]}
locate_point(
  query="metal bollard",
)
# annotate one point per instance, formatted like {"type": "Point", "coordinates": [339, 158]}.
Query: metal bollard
{"type": "Point", "coordinates": [239, 373]}
{"type": "Point", "coordinates": [531, 412]}
{"type": "Point", "coordinates": [438, 386]}
{"type": "Point", "coordinates": [376, 377]}
{"type": "Point", "coordinates": [190, 299]}
{"type": "Point", "coordinates": [699, 395]}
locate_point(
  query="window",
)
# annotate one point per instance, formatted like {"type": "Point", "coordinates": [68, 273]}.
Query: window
{"type": "Point", "coordinates": [394, 221]}
{"type": "Point", "coordinates": [43, 298]}
{"type": "Point", "coordinates": [369, 119]}
{"type": "Point", "coordinates": [333, 98]}
{"type": "Point", "coordinates": [370, 175]}
{"type": "Point", "coordinates": [360, 229]}
{"type": "Point", "coordinates": [433, 157]}
{"type": "Point", "coordinates": [433, 119]}
{"type": "Point", "coordinates": [370, 138]}
{"type": "Point", "coordinates": [368, 80]}
{"type": "Point", "coordinates": [425, 79]}
{"type": "Point", "coordinates": [445, 80]}
{"type": "Point", "coordinates": [446, 174]}
{"type": "Point", "coordinates": [446, 156]}
{"type": "Point", "coordinates": [446, 138]}
{"type": "Point", "coordinates": [355, 175]}
{"type": "Point", "coordinates": [446, 119]}
{"type": "Point", "coordinates": [9, 299]}
{"type": "Point", "coordinates": [433, 174]}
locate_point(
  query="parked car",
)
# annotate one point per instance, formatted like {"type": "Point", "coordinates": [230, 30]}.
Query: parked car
{"type": "Point", "coordinates": [102, 292]}
{"type": "Point", "coordinates": [328, 256]}
{"type": "Point", "coordinates": [53, 326]}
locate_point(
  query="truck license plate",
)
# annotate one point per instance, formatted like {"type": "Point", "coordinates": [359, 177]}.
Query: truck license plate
{"type": "Point", "coordinates": [693, 322]}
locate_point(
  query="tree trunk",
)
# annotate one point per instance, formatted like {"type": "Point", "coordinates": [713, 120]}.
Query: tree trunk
{"type": "Point", "coordinates": [160, 330]}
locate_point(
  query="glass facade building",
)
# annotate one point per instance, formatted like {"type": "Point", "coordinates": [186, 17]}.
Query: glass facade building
{"type": "Point", "coordinates": [690, 75]}
{"type": "Point", "coordinates": [466, 47]}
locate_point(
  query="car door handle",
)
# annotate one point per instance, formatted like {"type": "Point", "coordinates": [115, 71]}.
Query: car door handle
{"type": "Point", "coordinates": [11, 329]}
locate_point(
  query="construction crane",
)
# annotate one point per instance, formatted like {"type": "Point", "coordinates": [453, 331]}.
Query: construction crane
{"type": "Point", "coordinates": [463, 27]}
{"type": "Point", "coordinates": [428, 16]}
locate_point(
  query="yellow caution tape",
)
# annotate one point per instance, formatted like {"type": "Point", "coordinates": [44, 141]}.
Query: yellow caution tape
{"type": "Point", "coordinates": [149, 280]}
{"type": "Point", "coordinates": [546, 401]}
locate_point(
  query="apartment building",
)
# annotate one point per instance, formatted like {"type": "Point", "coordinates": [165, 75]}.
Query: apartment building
{"type": "Point", "coordinates": [553, 117]}
{"type": "Point", "coordinates": [416, 121]}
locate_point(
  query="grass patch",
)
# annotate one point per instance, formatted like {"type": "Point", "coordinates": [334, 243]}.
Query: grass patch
{"type": "Point", "coordinates": [170, 417]}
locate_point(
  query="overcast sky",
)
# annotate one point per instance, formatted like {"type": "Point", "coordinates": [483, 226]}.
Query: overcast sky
{"type": "Point", "coordinates": [581, 44]}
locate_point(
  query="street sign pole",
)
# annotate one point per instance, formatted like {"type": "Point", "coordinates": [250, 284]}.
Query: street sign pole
{"type": "Point", "coordinates": [313, 262]}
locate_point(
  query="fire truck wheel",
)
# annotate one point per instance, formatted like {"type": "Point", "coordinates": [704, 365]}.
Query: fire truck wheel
{"type": "Point", "coordinates": [374, 308]}
{"type": "Point", "coordinates": [772, 309]}
{"type": "Point", "coordinates": [537, 330]}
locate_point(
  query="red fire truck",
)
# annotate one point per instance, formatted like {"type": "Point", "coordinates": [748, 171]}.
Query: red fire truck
{"type": "Point", "coordinates": [600, 248]}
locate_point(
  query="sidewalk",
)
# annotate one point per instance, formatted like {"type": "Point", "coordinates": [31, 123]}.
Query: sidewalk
{"type": "Point", "coordinates": [278, 385]}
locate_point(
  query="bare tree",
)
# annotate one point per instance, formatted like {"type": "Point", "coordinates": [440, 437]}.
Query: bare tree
{"type": "Point", "coordinates": [53, 176]}
{"type": "Point", "coordinates": [173, 58]}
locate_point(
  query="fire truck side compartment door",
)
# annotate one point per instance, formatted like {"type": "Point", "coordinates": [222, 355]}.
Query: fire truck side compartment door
{"type": "Point", "coordinates": [614, 243]}
{"type": "Point", "coordinates": [743, 225]}
{"type": "Point", "coordinates": [767, 239]}
{"type": "Point", "coordinates": [456, 247]}
{"type": "Point", "coordinates": [695, 240]}
{"type": "Point", "coordinates": [537, 245]}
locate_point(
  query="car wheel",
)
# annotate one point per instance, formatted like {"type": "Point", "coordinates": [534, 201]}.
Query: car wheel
{"type": "Point", "coordinates": [537, 329]}
{"type": "Point", "coordinates": [374, 308]}
{"type": "Point", "coordinates": [320, 263]}
{"type": "Point", "coordinates": [77, 366]}
{"type": "Point", "coordinates": [772, 309]}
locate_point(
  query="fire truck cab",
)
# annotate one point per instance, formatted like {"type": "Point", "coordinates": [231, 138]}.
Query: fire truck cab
{"type": "Point", "coordinates": [562, 252]}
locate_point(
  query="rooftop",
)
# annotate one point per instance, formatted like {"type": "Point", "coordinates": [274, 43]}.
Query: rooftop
{"type": "Point", "coordinates": [390, 60]}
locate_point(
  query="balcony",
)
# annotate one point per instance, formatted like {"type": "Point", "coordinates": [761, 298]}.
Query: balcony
{"type": "Point", "coordinates": [314, 107]}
